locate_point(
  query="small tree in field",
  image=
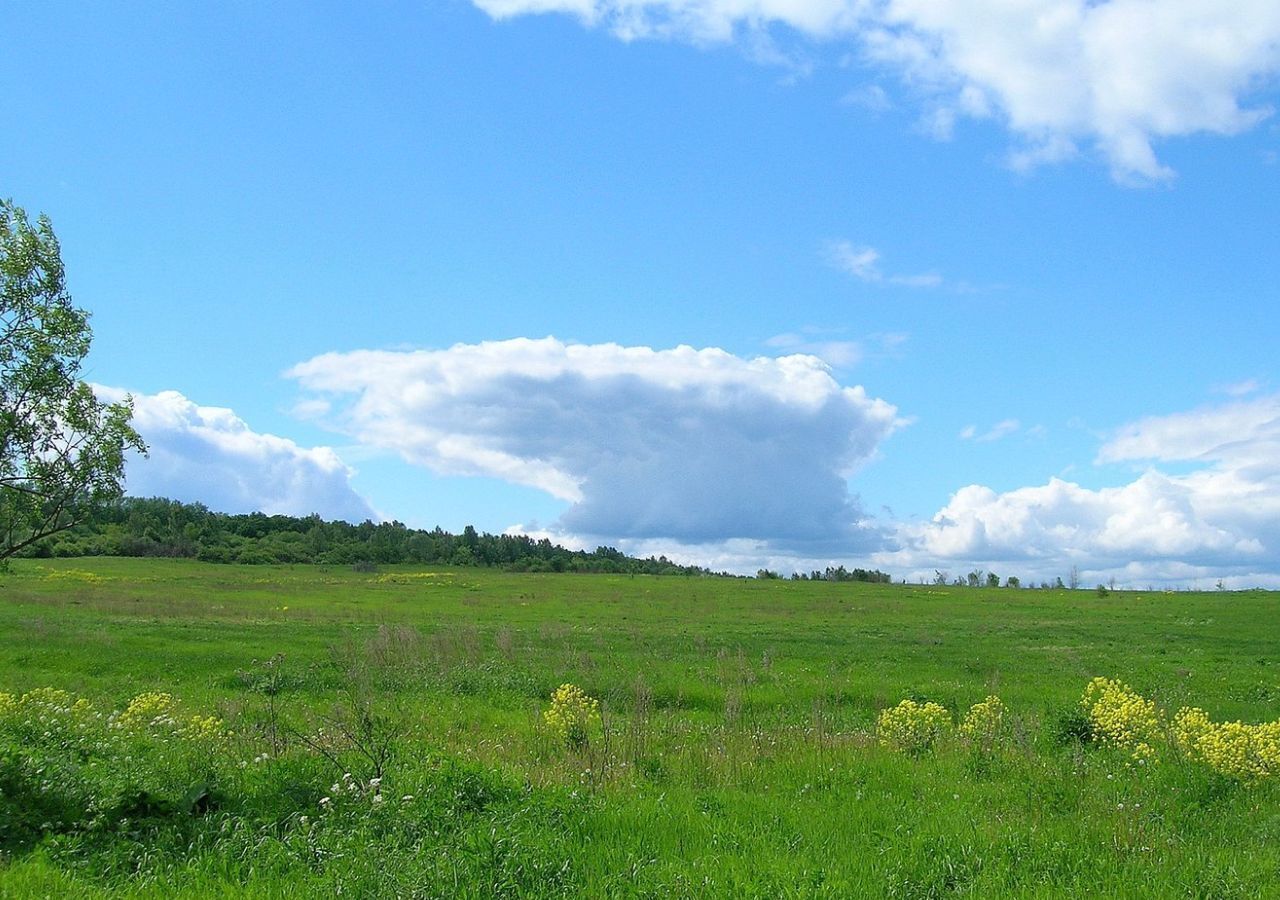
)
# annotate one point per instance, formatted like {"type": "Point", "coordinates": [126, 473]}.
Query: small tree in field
{"type": "Point", "coordinates": [61, 449]}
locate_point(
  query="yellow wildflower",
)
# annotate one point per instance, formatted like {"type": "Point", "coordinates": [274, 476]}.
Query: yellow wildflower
{"type": "Point", "coordinates": [145, 710]}
{"type": "Point", "coordinates": [1121, 717]}
{"type": "Point", "coordinates": [913, 727]}
{"type": "Point", "coordinates": [203, 728]}
{"type": "Point", "coordinates": [1235, 749]}
{"type": "Point", "coordinates": [984, 721]}
{"type": "Point", "coordinates": [52, 699]}
{"type": "Point", "coordinates": [570, 714]}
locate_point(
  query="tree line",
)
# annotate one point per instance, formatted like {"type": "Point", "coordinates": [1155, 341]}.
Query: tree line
{"type": "Point", "coordinates": [832, 573]}
{"type": "Point", "coordinates": [156, 526]}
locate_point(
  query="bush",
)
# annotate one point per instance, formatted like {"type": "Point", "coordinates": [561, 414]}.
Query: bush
{"type": "Point", "coordinates": [912, 727]}
{"type": "Point", "coordinates": [571, 714]}
{"type": "Point", "coordinates": [1121, 717]}
{"type": "Point", "coordinates": [69, 768]}
{"type": "Point", "coordinates": [1239, 751]}
{"type": "Point", "coordinates": [1073, 727]}
{"type": "Point", "coordinates": [984, 722]}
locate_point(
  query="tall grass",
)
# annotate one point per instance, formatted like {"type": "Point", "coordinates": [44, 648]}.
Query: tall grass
{"type": "Point", "coordinates": [736, 751]}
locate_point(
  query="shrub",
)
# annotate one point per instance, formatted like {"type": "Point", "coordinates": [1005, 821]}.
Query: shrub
{"type": "Point", "coordinates": [984, 722]}
{"type": "Point", "coordinates": [1121, 717]}
{"type": "Point", "coordinates": [571, 714]}
{"type": "Point", "coordinates": [1240, 751]}
{"type": "Point", "coordinates": [912, 727]}
{"type": "Point", "coordinates": [67, 768]}
{"type": "Point", "coordinates": [1073, 727]}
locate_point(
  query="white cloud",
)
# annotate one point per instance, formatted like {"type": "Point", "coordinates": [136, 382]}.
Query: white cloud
{"type": "Point", "coordinates": [1242, 388]}
{"type": "Point", "coordinates": [871, 97]}
{"type": "Point", "coordinates": [860, 262]}
{"type": "Point", "coordinates": [1116, 75]}
{"type": "Point", "coordinates": [1001, 429]}
{"type": "Point", "coordinates": [864, 263]}
{"type": "Point", "coordinates": [1119, 74]}
{"type": "Point", "coordinates": [684, 444]}
{"type": "Point", "coordinates": [1220, 520]}
{"type": "Point", "coordinates": [209, 455]}
{"type": "Point", "coordinates": [740, 556]}
{"type": "Point", "coordinates": [697, 21]}
{"type": "Point", "coordinates": [923, 280]}
{"type": "Point", "coordinates": [841, 354]}
{"type": "Point", "coordinates": [1238, 434]}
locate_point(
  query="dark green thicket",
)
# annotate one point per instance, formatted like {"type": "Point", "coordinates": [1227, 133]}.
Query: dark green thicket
{"type": "Point", "coordinates": [156, 527]}
{"type": "Point", "coordinates": [167, 528]}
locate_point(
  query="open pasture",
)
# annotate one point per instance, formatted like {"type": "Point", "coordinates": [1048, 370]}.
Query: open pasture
{"type": "Point", "coordinates": [735, 751]}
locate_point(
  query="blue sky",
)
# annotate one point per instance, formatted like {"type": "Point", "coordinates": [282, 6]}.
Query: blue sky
{"type": "Point", "coordinates": [962, 290]}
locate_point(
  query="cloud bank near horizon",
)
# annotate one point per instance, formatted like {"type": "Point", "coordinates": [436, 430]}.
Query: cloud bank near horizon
{"type": "Point", "coordinates": [1220, 520]}
{"type": "Point", "coordinates": [732, 463]}
{"type": "Point", "coordinates": [694, 446]}
{"type": "Point", "coordinates": [209, 455]}
{"type": "Point", "coordinates": [1115, 76]}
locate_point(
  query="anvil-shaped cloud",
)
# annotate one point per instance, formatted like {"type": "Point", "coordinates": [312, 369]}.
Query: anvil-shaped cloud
{"type": "Point", "coordinates": [684, 444]}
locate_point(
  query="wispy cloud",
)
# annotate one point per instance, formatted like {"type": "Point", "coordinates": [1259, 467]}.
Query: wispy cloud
{"type": "Point", "coordinates": [840, 354]}
{"type": "Point", "coordinates": [1001, 429]}
{"type": "Point", "coordinates": [1241, 388]}
{"type": "Point", "coordinates": [1112, 77]}
{"type": "Point", "coordinates": [871, 97]}
{"type": "Point", "coordinates": [863, 263]}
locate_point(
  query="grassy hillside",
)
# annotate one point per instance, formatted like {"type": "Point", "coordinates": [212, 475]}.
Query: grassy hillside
{"type": "Point", "coordinates": [736, 752]}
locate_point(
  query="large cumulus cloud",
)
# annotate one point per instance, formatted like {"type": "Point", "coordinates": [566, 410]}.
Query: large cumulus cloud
{"type": "Point", "coordinates": [1221, 519]}
{"type": "Point", "coordinates": [1114, 75]}
{"type": "Point", "coordinates": [209, 455]}
{"type": "Point", "coordinates": [684, 444]}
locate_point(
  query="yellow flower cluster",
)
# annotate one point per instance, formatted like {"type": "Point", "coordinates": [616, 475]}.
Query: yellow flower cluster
{"type": "Point", "coordinates": [427, 578]}
{"type": "Point", "coordinates": [1121, 717]}
{"type": "Point", "coordinates": [54, 714]}
{"type": "Point", "coordinates": [1234, 749]}
{"type": "Point", "coordinates": [46, 697]}
{"type": "Point", "coordinates": [913, 727]}
{"type": "Point", "coordinates": [570, 714]}
{"type": "Point", "coordinates": [984, 721]}
{"type": "Point", "coordinates": [46, 704]}
{"type": "Point", "coordinates": [74, 575]}
{"type": "Point", "coordinates": [1190, 726]}
{"type": "Point", "coordinates": [203, 728]}
{"type": "Point", "coordinates": [145, 710]}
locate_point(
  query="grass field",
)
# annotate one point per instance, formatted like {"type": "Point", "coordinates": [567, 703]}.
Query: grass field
{"type": "Point", "coordinates": [735, 754]}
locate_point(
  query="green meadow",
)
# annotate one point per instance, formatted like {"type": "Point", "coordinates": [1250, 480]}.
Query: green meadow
{"type": "Point", "coordinates": [382, 734]}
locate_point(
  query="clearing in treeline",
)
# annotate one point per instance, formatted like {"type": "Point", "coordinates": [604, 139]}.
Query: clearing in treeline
{"type": "Point", "coordinates": [178, 728]}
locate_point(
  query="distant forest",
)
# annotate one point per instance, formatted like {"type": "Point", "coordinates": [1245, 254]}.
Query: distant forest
{"type": "Point", "coordinates": [159, 527]}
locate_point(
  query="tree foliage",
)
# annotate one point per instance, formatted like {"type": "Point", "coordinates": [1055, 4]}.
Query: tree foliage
{"type": "Point", "coordinates": [840, 573]}
{"type": "Point", "coordinates": [135, 526]}
{"type": "Point", "coordinates": [61, 449]}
